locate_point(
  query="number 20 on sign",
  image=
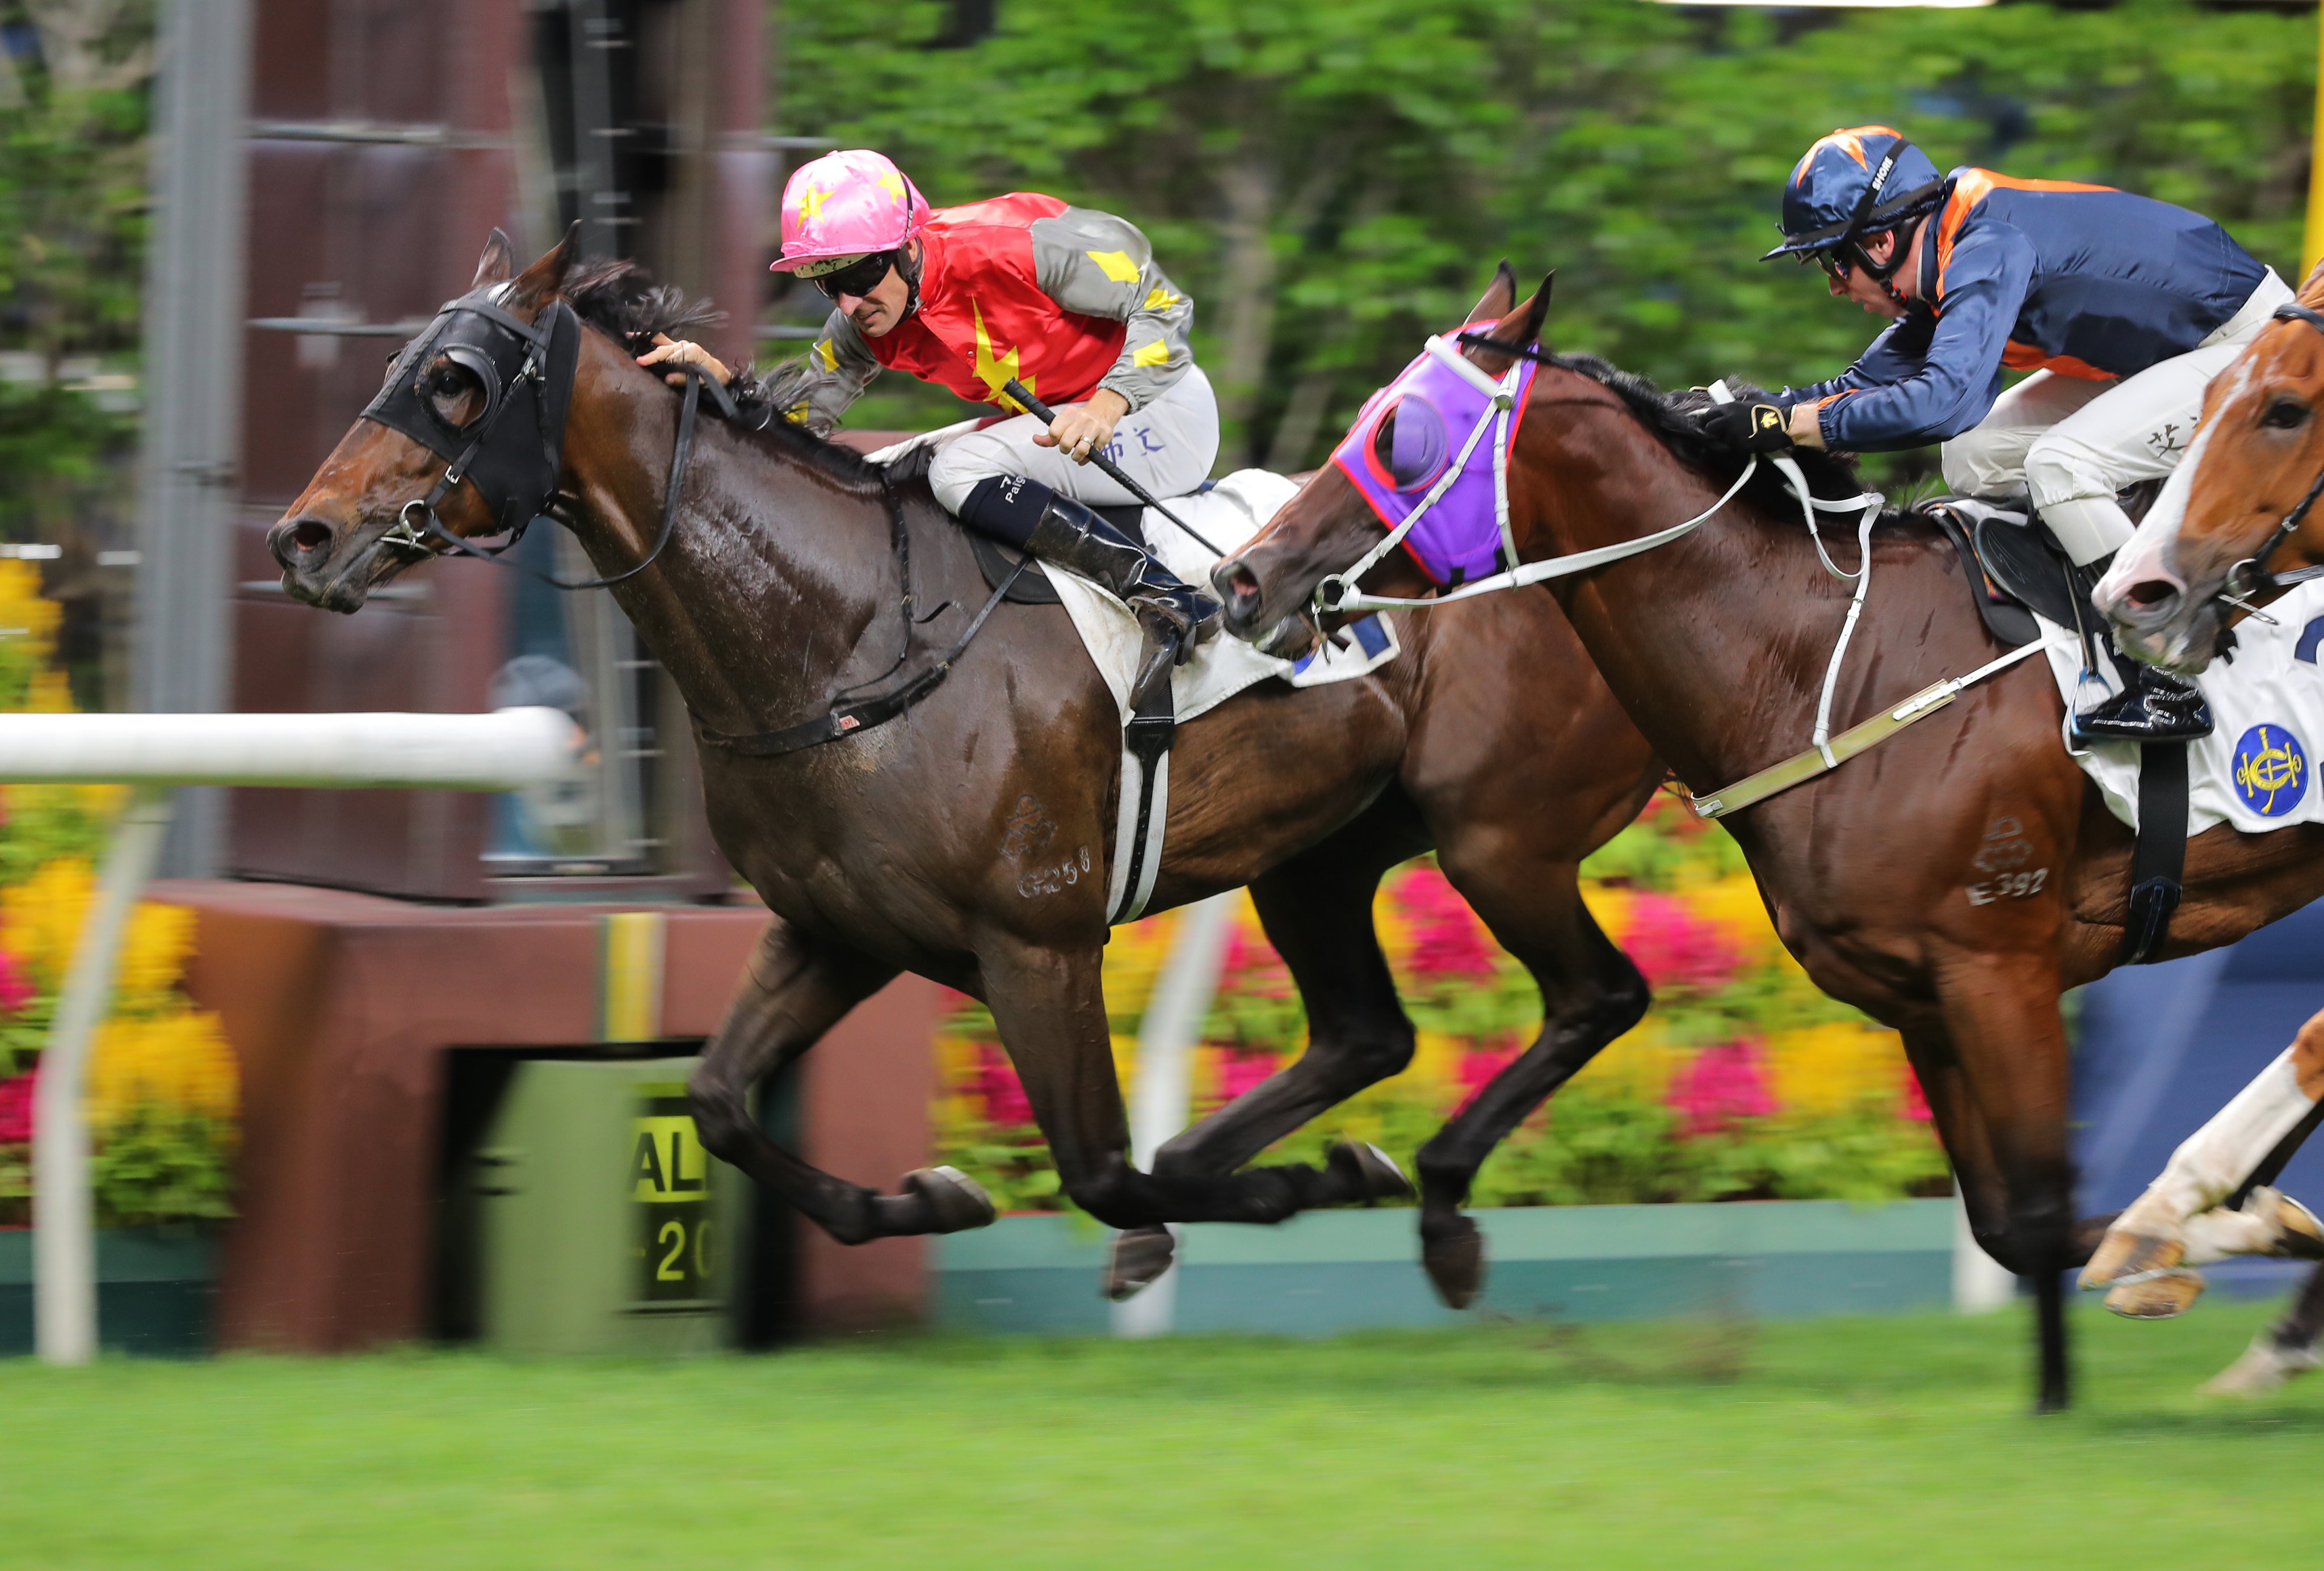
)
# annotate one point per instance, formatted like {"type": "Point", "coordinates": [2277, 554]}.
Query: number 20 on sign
{"type": "Point", "coordinates": [670, 1183]}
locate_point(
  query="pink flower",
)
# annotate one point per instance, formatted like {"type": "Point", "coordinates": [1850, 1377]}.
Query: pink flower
{"type": "Point", "coordinates": [1916, 1101]}
{"type": "Point", "coordinates": [1239, 1070]}
{"type": "Point", "coordinates": [1253, 968]}
{"type": "Point", "coordinates": [16, 989]}
{"type": "Point", "coordinates": [1723, 1084]}
{"type": "Point", "coordinates": [16, 1109]}
{"type": "Point", "coordinates": [1447, 940]}
{"type": "Point", "coordinates": [997, 1090]}
{"type": "Point", "coordinates": [1676, 947]}
{"type": "Point", "coordinates": [1480, 1065]}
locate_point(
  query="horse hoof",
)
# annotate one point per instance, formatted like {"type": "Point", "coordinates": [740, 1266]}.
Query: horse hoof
{"type": "Point", "coordinates": [2124, 1252]}
{"type": "Point", "coordinates": [1453, 1254]}
{"type": "Point", "coordinates": [1139, 1257]}
{"type": "Point", "coordinates": [1371, 1172]}
{"type": "Point", "coordinates": [2264, 1367]}
{"type": "Point", "coordinates": [2299, 1235]}
{"type": "Point", "coordinates": [956, 1202]}
{"type": "Point", "coordinates": [2156, 1295]}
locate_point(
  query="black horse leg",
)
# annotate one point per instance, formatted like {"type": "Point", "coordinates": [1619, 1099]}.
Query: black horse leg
{"type": "Point", "coordinates": [2001, 1022]}
{"type": "Point", "coordinates": [1590, 993]}
{"type": "Point", "coordinates": [1316, 909]}
{"type": "Point", "coordinates": [792, 992]}
{"type": "Point", "coordinates": [1048, 1002]}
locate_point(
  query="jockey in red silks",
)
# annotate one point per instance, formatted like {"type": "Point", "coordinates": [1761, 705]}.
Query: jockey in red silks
{"type": "Point", "coordinates": [2123, 307]}
{"type": "Point", "coordinates": [1064, 300]}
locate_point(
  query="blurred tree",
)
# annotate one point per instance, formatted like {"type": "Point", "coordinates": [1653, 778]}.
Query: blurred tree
{"type": "Point", "coordinates": [1331, 178]}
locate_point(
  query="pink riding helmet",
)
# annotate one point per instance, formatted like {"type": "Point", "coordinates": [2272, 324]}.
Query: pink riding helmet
{"type": "Point", "coordinates": [843, 206]}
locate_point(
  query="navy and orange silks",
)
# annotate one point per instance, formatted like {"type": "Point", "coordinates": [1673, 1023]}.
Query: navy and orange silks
{"type": "Point", "coordinates": [2023, 274]}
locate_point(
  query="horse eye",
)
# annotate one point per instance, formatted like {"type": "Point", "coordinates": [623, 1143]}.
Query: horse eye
{"type": "Point", "coordinates": [2284, 415]}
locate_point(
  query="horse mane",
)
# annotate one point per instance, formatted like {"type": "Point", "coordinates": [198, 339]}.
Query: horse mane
{"type": "Point", "coordinates": [1672, 418]}
{"type": "Point", "coordinates": [621, 299]}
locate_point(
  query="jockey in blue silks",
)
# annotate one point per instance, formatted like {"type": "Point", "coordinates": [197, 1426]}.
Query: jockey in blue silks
{"type": "Point", "coordinates": [2123, 309]}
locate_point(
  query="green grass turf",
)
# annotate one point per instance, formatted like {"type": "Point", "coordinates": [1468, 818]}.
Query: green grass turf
{"type": "Point", "coordinates": [1883, 1444]}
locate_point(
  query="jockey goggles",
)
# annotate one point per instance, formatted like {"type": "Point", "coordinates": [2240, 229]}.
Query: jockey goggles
{"type": "Point", "coordinates": [858, 276]}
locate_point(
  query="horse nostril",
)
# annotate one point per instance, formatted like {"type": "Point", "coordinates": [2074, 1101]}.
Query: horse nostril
{"type": "Point", "coordinates": [298, 540]}
{"type": "Point", "coordinates": [2149, 593]}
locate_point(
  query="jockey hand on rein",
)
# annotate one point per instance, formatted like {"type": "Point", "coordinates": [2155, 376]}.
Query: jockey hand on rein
{"type": "Point", "coordinates": [1746, 427]}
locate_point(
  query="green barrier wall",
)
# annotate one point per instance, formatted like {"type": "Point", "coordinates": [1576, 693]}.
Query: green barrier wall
{"type": "Point", "coordinates": [156, 1290]}
{"type": "Point", "coordinates": [1344, 1270]}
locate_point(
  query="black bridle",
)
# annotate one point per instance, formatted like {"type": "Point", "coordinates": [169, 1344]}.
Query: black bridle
{"type": "Point", "coordinates": [514, 464]}
{"type": "Point", "coordinates": [2249, 578]}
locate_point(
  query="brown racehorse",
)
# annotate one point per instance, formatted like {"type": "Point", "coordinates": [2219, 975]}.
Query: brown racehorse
{"type": "Point", "coordinates": [1878, 875]}
{"type": "Point", "coordinates": [892, 848]}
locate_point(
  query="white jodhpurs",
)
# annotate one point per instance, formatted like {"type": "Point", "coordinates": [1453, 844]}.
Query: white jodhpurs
{"type": "Point", "coordinates": [2074, 442]}
{"type": "Point", "coordinates": [1168, 446]}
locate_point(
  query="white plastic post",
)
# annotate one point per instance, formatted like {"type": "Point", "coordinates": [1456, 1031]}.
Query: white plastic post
{"type": "Point", "coordinates": [1980, 1283]}
{"type": "Point", "coordinates": [64, 1250]}
{"type": "Point", "coordinates": [496, 752]}
{"type": "Point", "coordinates": [1160, 1097]}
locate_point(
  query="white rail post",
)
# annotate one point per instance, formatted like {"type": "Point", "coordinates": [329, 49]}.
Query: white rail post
{"type": "Point", "coordinates": [1980, 1283]}
{"type": "Point", "coordinates": [1159, 1100]}
{"type": "Point", "coordinates": [64, 1248]}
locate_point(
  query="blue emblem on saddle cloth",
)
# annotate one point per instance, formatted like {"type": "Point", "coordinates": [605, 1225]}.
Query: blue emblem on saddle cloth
{"type": "Point", "coordinates": [2271, 770]}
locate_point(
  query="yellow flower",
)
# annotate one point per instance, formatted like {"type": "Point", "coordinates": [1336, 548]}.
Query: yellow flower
{"type": "Point", "coordinates": [41, 918]}
{"type": "Point", "coordinates": [180, 1062]}
{"type": "Point", "coordinates": [1825, 1069]}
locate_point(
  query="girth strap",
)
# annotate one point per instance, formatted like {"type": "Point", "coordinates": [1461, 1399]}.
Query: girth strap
{"type": "Point", "coordinates": [2159, 861]}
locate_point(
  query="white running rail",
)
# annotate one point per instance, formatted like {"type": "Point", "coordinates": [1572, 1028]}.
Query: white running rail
{"type": "Point", "coordinates": [501, 751]}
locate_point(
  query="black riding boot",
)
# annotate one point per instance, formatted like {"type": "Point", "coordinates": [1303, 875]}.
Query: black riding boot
{"type": "Point", "coordinates": [1175, 616]}
{"type": "Point", "coordinates": [2153, 706]}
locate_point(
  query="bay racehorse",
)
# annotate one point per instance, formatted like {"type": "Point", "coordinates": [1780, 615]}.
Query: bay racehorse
{"type": "Point", "coordinates": [776, 577]}
{"type": "Point", "coordinates": [1877, 875]}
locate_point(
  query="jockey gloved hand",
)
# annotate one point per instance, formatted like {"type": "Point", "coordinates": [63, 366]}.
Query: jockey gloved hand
{"type": "Point", "coordinates": [1746, 427]}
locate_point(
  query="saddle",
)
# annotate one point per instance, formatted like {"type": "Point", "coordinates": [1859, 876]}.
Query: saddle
{"type": "Point", "coordinates": [2016, 570]}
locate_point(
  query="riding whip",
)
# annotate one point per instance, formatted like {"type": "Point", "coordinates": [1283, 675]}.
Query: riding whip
{"type": "Point", "coordinates": [1041, 412]}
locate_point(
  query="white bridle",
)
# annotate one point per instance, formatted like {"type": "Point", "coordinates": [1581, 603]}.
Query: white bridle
{"type": "Point", "coordinates": [1338, 592]}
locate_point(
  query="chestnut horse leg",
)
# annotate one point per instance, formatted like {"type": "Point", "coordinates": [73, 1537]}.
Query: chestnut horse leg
{"type": "Point", "coordinates": [2001, 1015]}
{"type": "Point", "coordinates": [1590, 993]}
{"type": "Point", "coordinates": [793, 991]}
{"type": "Point", "coordinates": [1316, 909]}
{"type": "Point", "coordinates": [1047, 1002]}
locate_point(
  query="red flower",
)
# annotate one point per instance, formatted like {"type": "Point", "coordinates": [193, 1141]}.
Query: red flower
{"type": "Point", "coordinates": [16, 989]}
{"type": "Point", "coordinates": [1480, 1065]}
{"type": "Point", "coordinates": [1253, 968]}
{"type": "Point", "coordinates": [1917, 1101]}
{"type": "Point", "coordinates": [1676, 947]}
{"type": "Point", "coordinates": [1447, 940]}
{"type": "Point", "coordinates": [997, 1090]}
{"type": "Point", "coordinates": [16, 1108]}
{"type": "Point", "coordinates": [1723, 1084]}
{"type": "Point", "coordinates": [1238, 1071]}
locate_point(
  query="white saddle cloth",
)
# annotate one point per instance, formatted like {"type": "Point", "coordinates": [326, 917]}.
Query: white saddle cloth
{"type": "Point", "coordinates": [1229, 513]}
{"type": "Point", "coordinates": [2256, 769]}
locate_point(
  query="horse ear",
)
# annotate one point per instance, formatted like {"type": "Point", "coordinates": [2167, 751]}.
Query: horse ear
{"type": "Point", "coordinates": [1499, 296]}
{"type": "Point", "coordinates": [540, 284]}
{"type": "Point", "coordinates": [1537, 311]}
{"type": "Point", "coordinates": [496, 264]}
{"type": "Point", "coordinates": [2312, 292]}
{"type": "Point", "coordinates": [1518, 327]}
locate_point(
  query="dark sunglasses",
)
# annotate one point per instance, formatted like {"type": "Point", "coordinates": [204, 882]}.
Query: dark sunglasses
{"type": "Point", "coordinates": [858, 278]}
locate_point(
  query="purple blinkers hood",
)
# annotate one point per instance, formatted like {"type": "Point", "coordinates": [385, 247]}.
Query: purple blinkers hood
{"type": "Point", "coordinates": [1437, 408]}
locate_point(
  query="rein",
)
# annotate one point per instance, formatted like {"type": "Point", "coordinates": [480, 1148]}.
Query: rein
{"type": "Point", "coordinates": [2249, 578]}
{"type": "Point", "coordinates": [524, 481]}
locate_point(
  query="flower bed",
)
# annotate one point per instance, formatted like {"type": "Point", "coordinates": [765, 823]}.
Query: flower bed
{"type": "Point", "coordinates": [163, 1082]}
{"type": "Point", "coordinates": [1744, 1082]}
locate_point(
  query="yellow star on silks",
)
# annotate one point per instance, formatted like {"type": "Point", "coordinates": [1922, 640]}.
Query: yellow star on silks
{"type": "Point", "coordinates": [994, 373]}
{"type": "Point", "coordinates": [811, 202]}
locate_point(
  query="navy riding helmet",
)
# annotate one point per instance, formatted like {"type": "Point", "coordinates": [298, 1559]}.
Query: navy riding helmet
{"type": "Point", "coordinates": [1860, 180]}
